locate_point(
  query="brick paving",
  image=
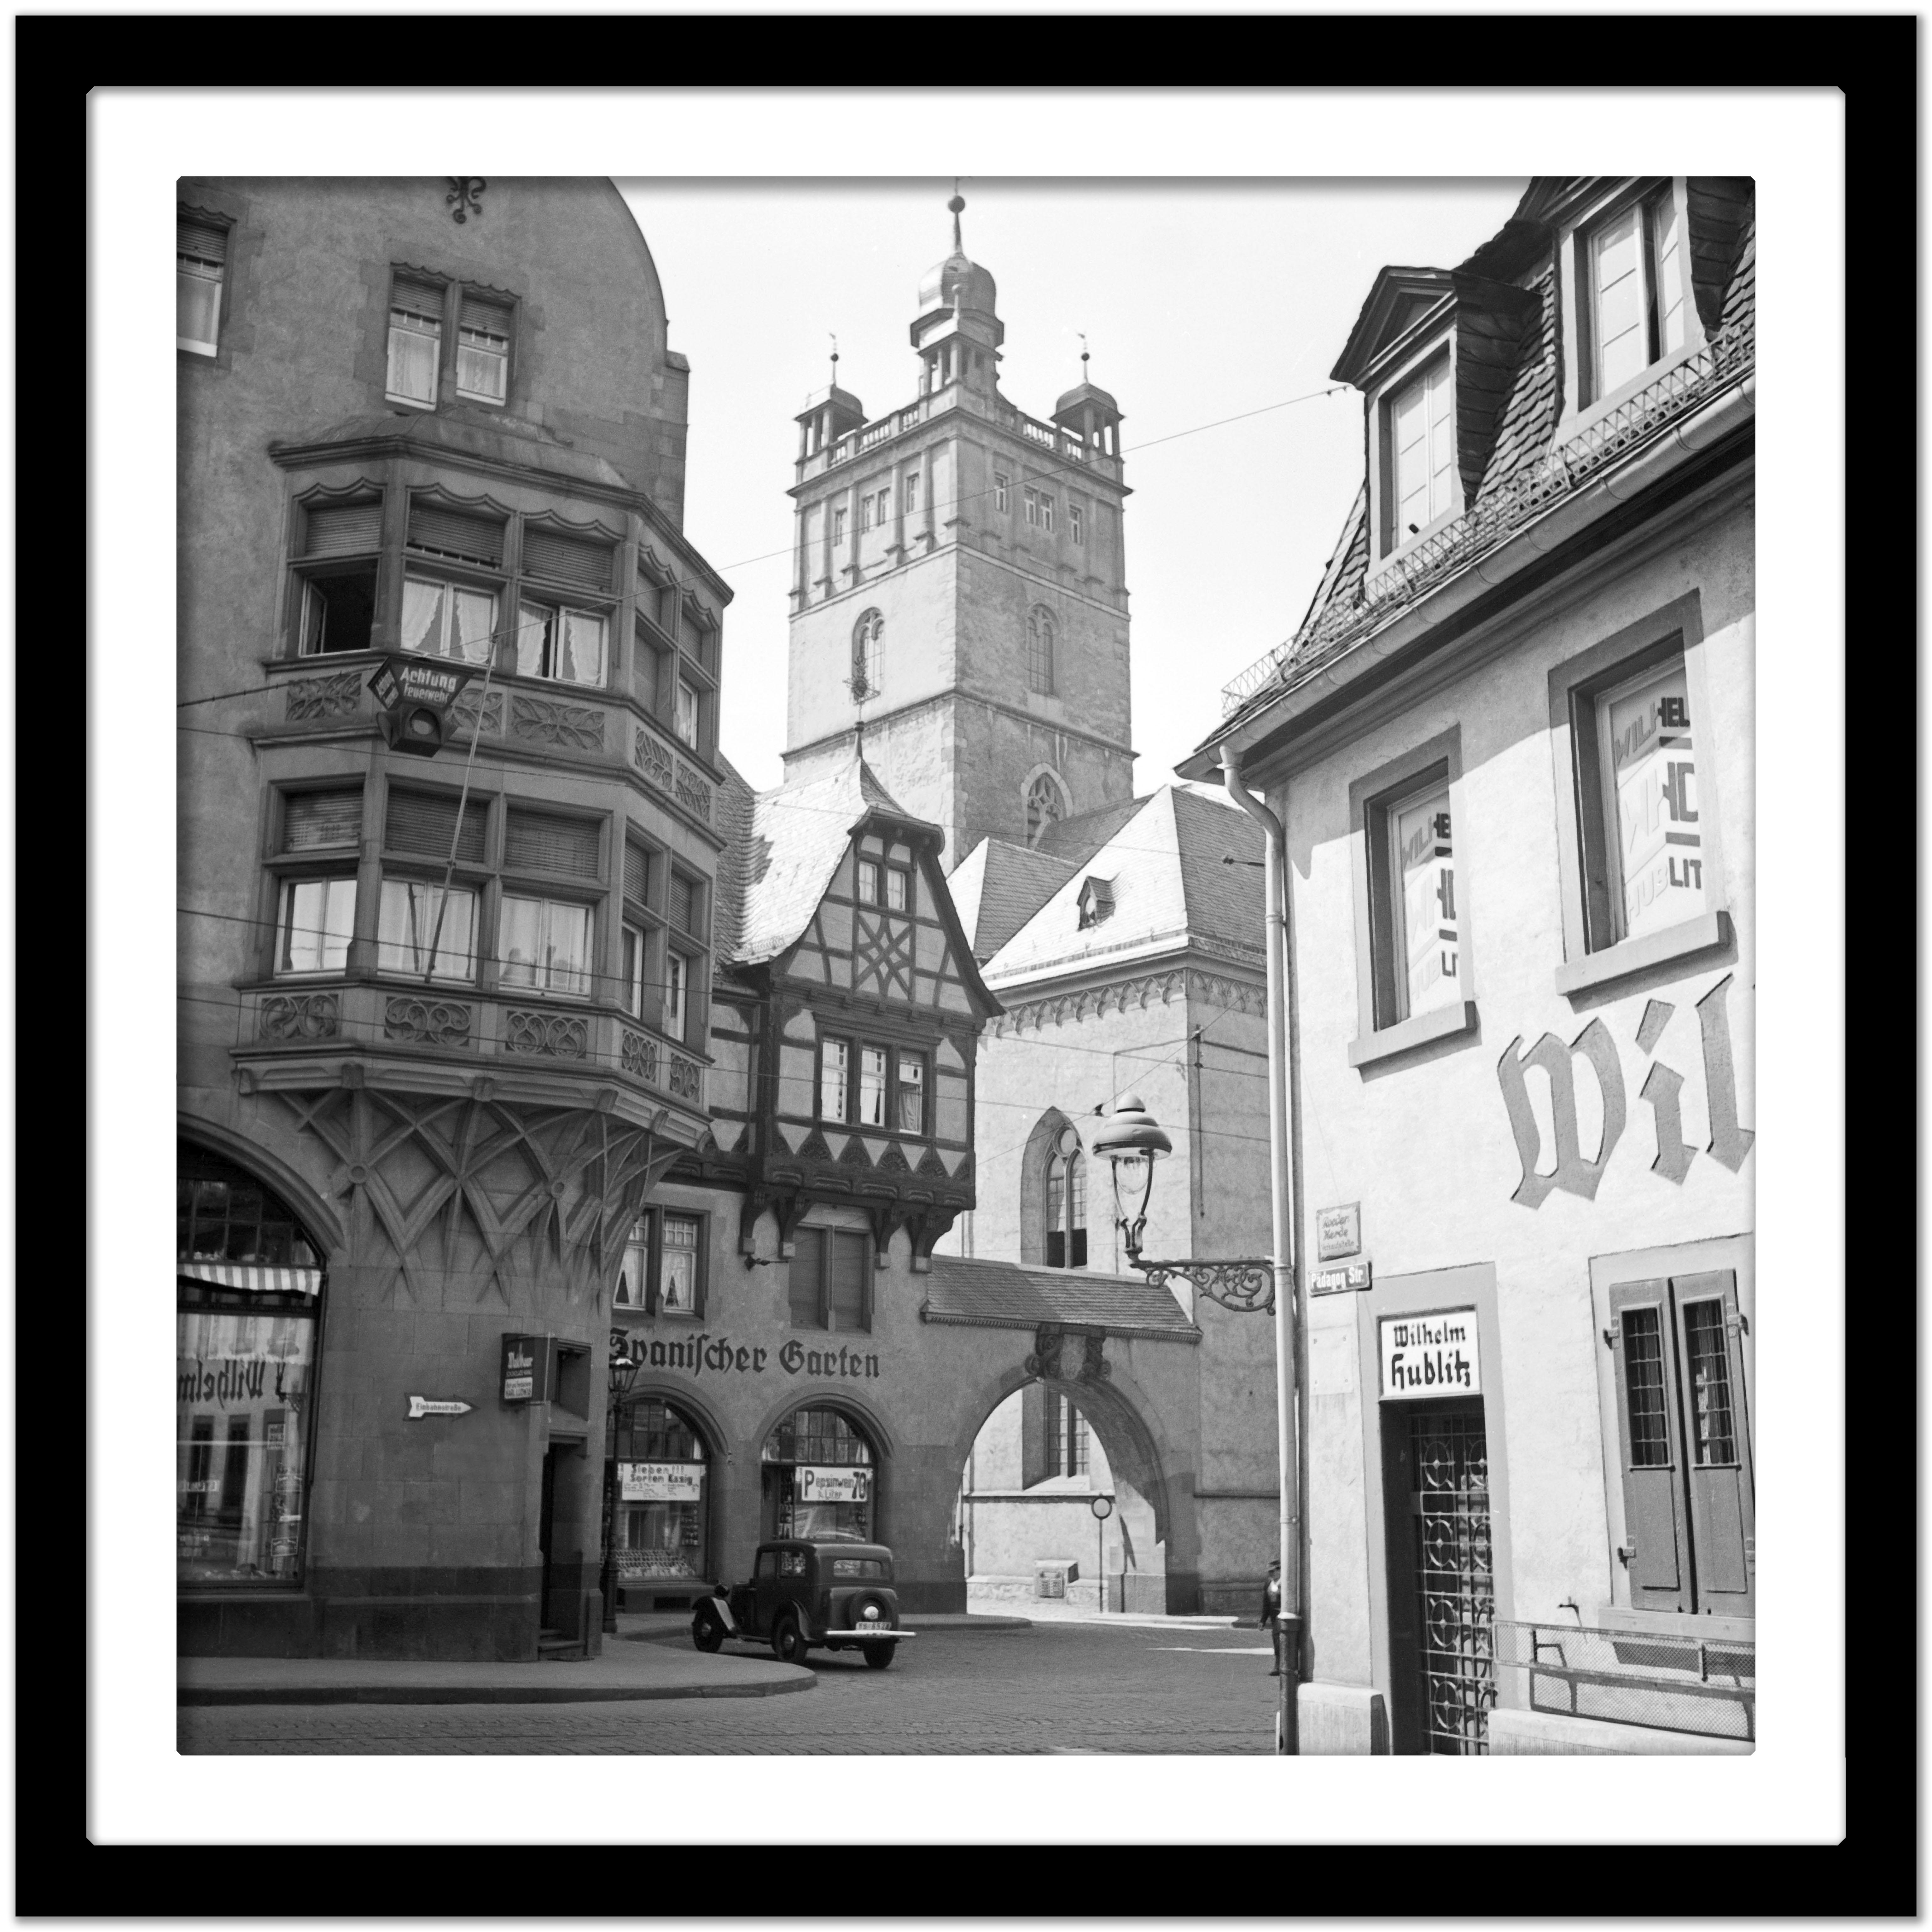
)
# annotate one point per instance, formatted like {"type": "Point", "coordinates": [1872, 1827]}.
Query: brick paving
{"type": "Point", "coordinates": [1071, 1687]}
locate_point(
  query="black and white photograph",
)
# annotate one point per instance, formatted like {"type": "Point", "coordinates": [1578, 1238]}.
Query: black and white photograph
{"type": "Point", "coordinates": [967, 967]}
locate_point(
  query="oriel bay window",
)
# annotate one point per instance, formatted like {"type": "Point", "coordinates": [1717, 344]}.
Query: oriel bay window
{"type": "Point", "coordinates": [315, 907]}
{"type": "Point", "coordinates": [564, 640]}
{"type": "Point", "coordinates": [544, 940]}
{"type": "Point", "coordinates": [443, 615]}
{"type": "Point", "coordinates": [340, 544]}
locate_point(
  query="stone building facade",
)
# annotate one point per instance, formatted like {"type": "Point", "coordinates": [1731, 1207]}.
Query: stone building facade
{"type": "Point", "coordinates": [429, 1070]}
{"type": "Point", "coordinates": [1512, 744]}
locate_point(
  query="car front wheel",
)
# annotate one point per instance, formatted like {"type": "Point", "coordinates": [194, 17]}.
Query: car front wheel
{"type": "Point", "coordinates": [708, 1633]}
{"type": "Point", "coordinates": [788, 1644]}
{"type": "Point", "coordinates": [878, 1655]}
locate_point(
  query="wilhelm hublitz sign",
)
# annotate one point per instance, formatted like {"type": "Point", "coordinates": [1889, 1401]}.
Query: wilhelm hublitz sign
{"type": "Point", "coordinates": [1430, 1355]}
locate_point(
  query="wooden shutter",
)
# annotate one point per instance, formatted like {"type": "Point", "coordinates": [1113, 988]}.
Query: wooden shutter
{"type": "Point", "coordinates": [201, 239]}
{"type": "Point", "coordinates": [850, 1313]}
{"type": "Point", "coordinates": [807, 1276]}
{"type": "Point", "coordinates": [418, 294]}
{"type": "Point", "coordinates": [534, 841]}
{"type": "Point", "coordinates": [566, 559]}
{"type": "Point", "coordinates": [479, 312]}
{"type": "Point", "coordinates": [455, 533]}
{"type": "Point", "coordinates": [1723, 1528]}
{"type": "Point", "coordinates": [683, 902]}
{"type": "Point", "coordinates": [313, 818]}
{"type": "Point", "coordinates": [335, 530]}
{"type": "Point", "coordinates": [636, 873]}
{"type": "Point", "coordinates": [1651, 1442]}
{"type": "Point", "coordinates": [1034, 1400]}
{"type": "Point", "coordinates": [424, 822]}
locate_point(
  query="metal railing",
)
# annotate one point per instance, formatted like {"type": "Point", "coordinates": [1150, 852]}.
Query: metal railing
{"type": "Point", "coordinates": [1048, 436]}
{"type": "Point", "coordinates": [1666, 1680]}
{"type": "Point", "coordinates": [1726, 358]}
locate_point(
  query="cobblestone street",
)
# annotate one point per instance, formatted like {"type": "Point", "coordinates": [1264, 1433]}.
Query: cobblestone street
{"type": "Point", "coordinates": [1076, 1687]}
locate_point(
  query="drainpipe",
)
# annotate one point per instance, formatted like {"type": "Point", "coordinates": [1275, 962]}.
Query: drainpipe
{"type": "Point", "coordinates": [1288, 1638]}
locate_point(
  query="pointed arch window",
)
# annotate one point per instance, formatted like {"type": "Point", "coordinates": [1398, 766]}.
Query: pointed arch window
{"type": "Point", "coordinates": [868, 656]}
{"type": "Point", "coordinates": [1040, 667]}
{"type": "Point", "coordinates": [1067, 1202]}
{"type": "Point", "coordinates": [1045, 805]}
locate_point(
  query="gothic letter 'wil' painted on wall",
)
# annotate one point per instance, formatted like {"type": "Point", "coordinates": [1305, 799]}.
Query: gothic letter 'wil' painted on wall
{"type": "Point", "coordinates": [1574, 1175]}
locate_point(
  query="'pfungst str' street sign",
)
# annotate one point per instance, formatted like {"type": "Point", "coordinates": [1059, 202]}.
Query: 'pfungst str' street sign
{"type": "Point", "coordinates": [1430, 1355]}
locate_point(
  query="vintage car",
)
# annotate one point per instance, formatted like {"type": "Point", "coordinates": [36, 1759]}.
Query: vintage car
{"type": "Point", "coordinates": [837, 1595]}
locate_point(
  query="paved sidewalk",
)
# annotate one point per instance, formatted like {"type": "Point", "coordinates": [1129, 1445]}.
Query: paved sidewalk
{"type": "Point", "coordinates": [1048, 1612]}
{"type": "Point", "coordinates": [625, 1672]}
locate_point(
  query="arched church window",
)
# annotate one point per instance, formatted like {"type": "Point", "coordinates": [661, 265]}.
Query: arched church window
{"type": "Point", "coordinates": [818, 1472]}
{"type": "Point", "coordinates": [663, 1465]}
{"type": "Point", "coordinates": [869, 658]}
{"type": "Point", "coordinates": [1045, 805]}
{"type": "Point", "coordinates": [1040, 666]}
{"type": "Point", "coordinates": [1067, 1202]}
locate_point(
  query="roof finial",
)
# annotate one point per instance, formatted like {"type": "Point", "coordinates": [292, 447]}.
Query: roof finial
{"type": "Point", "coordinates": [835, 359]}
{"type": "Point", "coordinates": [1084, 357]}
{"type": "Point", "coordinates": [957, 204]}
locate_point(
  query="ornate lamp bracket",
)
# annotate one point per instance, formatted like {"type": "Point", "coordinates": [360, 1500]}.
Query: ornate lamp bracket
{"type": "Point", "coordinates": [1247, 1286]}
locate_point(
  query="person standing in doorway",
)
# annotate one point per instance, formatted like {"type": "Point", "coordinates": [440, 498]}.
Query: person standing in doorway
{"type": "Point", "coordinates": [1271, 1617]}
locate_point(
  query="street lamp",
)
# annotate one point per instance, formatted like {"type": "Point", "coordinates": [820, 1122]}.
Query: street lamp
{"type": "Point", "coordinates": [1131, 1140]}
{"type": "Point", "coordinates": [623, 1371]}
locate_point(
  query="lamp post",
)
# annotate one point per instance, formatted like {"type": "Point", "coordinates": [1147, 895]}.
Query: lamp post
{"type": "Point", "coordinates": [1131, 1140]}
{"type": "Point", "coordinates": [623, 1371]}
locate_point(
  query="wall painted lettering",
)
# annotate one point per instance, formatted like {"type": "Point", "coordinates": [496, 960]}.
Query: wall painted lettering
{"type": "Point", "coordinates": [720, 1355]}
{"type": "Point", "coordinates": [1730, 1142]}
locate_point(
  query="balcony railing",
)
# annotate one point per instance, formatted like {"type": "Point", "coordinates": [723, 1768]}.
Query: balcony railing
{"type": "Point", "coordinates": [393, 1017]}
{"type": "Point", "coordinates": [1047, 436]}
{"type": "Point", "coordinates": [1668, 1680]}
{"type": "Point", "coordinates": [1726, 359]}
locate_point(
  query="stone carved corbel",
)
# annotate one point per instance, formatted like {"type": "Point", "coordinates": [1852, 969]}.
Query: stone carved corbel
{"type": "Point", "coordinates": [1048, 1340]}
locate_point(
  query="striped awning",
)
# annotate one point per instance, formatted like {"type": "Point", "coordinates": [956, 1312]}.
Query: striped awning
{"type": "Point", "coordinates": [253, 1279]}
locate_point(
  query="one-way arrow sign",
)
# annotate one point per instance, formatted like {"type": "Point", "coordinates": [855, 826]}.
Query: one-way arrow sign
{"type": "Point", "coordinates": [421, 1405]}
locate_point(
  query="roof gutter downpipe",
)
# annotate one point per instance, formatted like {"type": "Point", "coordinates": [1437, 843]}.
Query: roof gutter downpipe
{"type": "Point", "coordinates": [1287, 1435]}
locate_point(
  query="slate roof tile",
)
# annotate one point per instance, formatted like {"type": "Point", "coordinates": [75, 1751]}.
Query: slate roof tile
{"type": "Point", "coordinates": [1003, 1295]}
{"type": "Point", "coordinates": [999, 887]}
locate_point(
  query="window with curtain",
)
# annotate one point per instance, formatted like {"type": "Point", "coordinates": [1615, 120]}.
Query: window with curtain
{"type": "Point", "coordinates": [316, 923]}
{"type": "Point", "coordinates": [835, 1062]}
{"type": "Point", "coordinates": [201, 258]}
{"type": "Point", "coordinates": [483, 349]}
{"type": "Point", "coordinates": [415, 338]}
{"type": "Point", "coordinates": [448, 620]}
{"type": "Point", "coordinates": [426, 933]}
{"type": "Point", "coordinates": [554, 641]}
{"type": "Point", "coordinates": [545, 946]}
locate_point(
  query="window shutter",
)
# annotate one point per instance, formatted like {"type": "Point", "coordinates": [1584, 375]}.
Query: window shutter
{"type": "Point", "coordinates": [337, 529]}
{"type": "Point", "coordinates": [201, 239]}
{"type": "Point", "coordinates": [533, 841]}
{"type": "Point", "coordinates": [808, 1274]}
{"type": "Point", "coordinates": [1717, 1446]}
{"type": "Point", "coordinates": [847, 1296]}
{"type": "Point", "coordinates": [418, 294]}
{"type": "Point", "coordinates": [636, 873]}
{"type": "Point", "coordinates": [313, 818]}
{"type": "Point", "coordinates": [566, 559]}
{"type": "Point", "coordinates": [423, 822]}
{"type": "Point", "coordinates": [479, 312]}
{"type": "Point", "coordinates": [1033, 1399]}
{"type": "Point", "coordinates": [454, 533]}
{"type": "Point", "coordinates": [683, 902]}
{"type": "Point", "coordinates": [1650, 1439]}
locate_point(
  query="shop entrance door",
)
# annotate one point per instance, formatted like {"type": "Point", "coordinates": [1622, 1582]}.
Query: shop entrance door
{"type": "Point", "coordinates": [1442, 1577]}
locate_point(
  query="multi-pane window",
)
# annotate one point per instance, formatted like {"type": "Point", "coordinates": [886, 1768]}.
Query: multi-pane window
{"type": "Point", "coordinates": [888, 886]}
{"type": "Point", "coordinates": [912, 493]}
{"type": "Point", "coordinates": [340, 544]}
{"type": "Point", "coordinates": [677, 994]}
{"type": "Point", "coordinates": [678, 1265]}
{"type": "Point", "coordinates": [871, 1111]}
{"type": "Point", "coordinates": [999, 493]}
{"type": "Point", "coordinates": [885, 507]}
{"type": "Point", "coordinates": [1044, 807]}
{"type": "Point", "coordinates": [1039, 650]}
{"type": "Point", "coordinates": [834, 1073]}
{"type": "Point", "coordinates": [1648, 769]}
{"type": "Point", "coordinates": [425, 932]}
{"type": "Point", "coordinates": [910, 1094]}
{"type": "Point", "coordinates": [1045, 511]}
{"type": "Point", "coordinates": [483, 349]}
{"type": "Point", "coordinates": [839, 523]}
{"type": "Point", "coordinates": [415, 338]}
{"type": "Point", "coordinates": [315, 923]}
{"type": "Point", "coordinates": [1066, 1197]}
{"type": "Point", "coordinates": [1421, 455]}
{"type": "Point", "coordinates": [868, 1086]}
{"type": "Point", "coordinates": [829, 1286]}
{"type": "Point", "coordinates": [448, 620]}
{"type": "Point", "coordinates": [663, 1269]}
{"type": "Point", "coordinates": [1032, 499]}
{"type": "Point", "coordinates": [1076, 522]}
{"type": "Point", "coordinates": [545, 945]}
{"type": "Point", "coordinates": [1422, 871]}
{"type": "Point", "coordinates": [1689, 1534]}
{"type": "Point", "coordinates": [201, 258]}
{"type": "Point", "coordinates": [1634, 280]}
{"type": "Point", "coordinates": [1069, 1440]}
{"type": "Point", "coordinates": [554, 641]}
{"type": "Point", "coordinates": [866, 508]}
{"type": "Point", "coordinates": [634, 1275]}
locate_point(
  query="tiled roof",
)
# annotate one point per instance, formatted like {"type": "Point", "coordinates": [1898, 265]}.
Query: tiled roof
{"type": "Point", "coordinates": [1505, 445]}
{"type": "Point", "coordinates": [998, 887]}
{"type": "Point", "coordinates": [731, 816]}
{"type": "Point", "coordinates": [1170, 889]}
{"type": "Point", "coordinates": [1076, 840]}
{"type": "Point", "coordinates": [796, 835]}
{"type": "Point", "coordinates": [976, 1294]}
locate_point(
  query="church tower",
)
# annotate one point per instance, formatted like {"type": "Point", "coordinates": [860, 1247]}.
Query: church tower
{"type": "Point", "coordinates": [958, 594]}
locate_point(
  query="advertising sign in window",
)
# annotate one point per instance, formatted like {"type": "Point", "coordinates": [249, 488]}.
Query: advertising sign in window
{"type": "Point", "coordinates": [1653, 783]}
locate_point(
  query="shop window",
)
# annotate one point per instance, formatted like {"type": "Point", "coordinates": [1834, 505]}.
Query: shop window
{"type": "Point", "coordinates": [817, 1471]}
{"type": "Point", "coordinates": [248, 1278]}
{"type": "Point", "coordinates": [1631, 273]}
{"type": "Point", "coordinates": [201, 266]}
{"type": "Point", "coordinates": [1690, 1528]}
{"type": "Point", "coordinates": [1418, 456]}
{"type": "Point", "coordinates": [483, 349]}
{"type": "Point", "coordinates": [1414, 942]}
{"type": "Point", "coordinates": [663, 1467]}
{"type": "Point", "coordinates": [545, 945]}
{"type": "Point", "coordinates": [426, 932]}
{"type": "Point", "coordinates": [315, 923]}
{"type": "Point", "coordinates": [415, 338]}
{"type": "Point", "coordinates": [1066, 1195]}
{"type": "Point", "coordinates": [830, 1281]}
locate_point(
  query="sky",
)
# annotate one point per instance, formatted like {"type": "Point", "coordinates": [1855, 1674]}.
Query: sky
{"type": "Point", "coordinates": [1201, 301]}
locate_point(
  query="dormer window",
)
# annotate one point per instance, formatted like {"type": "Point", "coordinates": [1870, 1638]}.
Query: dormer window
{"type": "Point", "coordinates": [1631, 273]}
{"type": "Point", "coordinates": [1419, 455]}
{"type": "Point", "coordinates": [1096, 901]}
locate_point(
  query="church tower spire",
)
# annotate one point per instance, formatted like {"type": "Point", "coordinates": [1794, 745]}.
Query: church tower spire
{"type": "Point", "coordinates": [958, 574]}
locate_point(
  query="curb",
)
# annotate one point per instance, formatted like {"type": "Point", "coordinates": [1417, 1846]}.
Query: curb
{"type": "Point", "coordinates": [479, 1693]}
{"type": "Point", "coordinates": [989, 1627]}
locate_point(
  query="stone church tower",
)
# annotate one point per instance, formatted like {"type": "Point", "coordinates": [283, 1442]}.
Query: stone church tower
{"type": "Point", "coordinates": [959, 591]}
